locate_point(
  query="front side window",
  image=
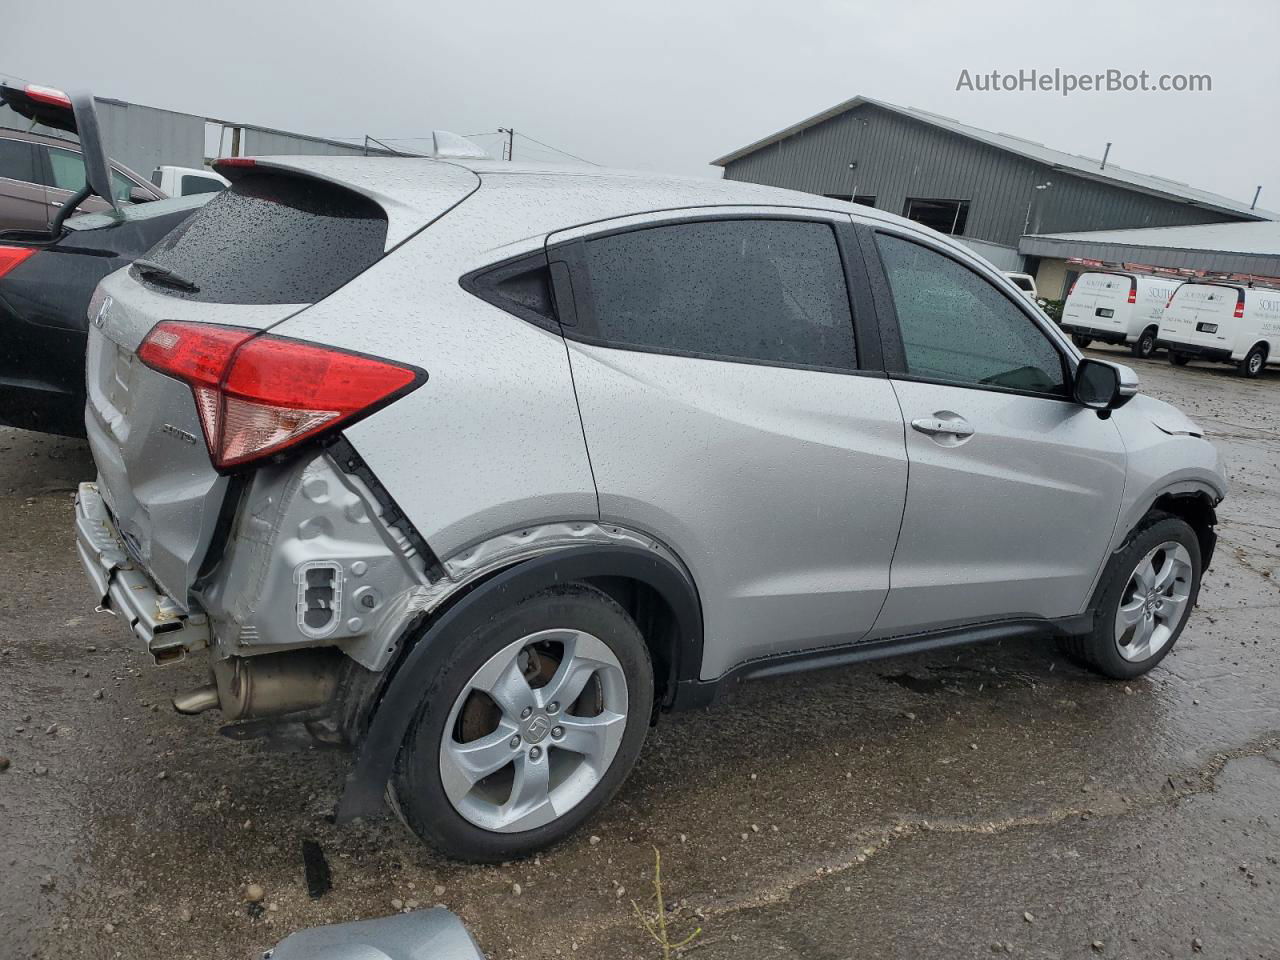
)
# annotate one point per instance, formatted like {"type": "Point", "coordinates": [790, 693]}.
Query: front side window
{"type": "Point", "coordinates": [121, 185]}
{"type": "Point", "coordinates": [17, 161]}
{"type": "Point", "coordinates": [764, 290]}
{"type": "Point", "coordinates": [958, 328]}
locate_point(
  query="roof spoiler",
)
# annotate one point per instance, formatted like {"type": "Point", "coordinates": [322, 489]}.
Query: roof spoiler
{"type": "Point", "coordinates": [73, 113]}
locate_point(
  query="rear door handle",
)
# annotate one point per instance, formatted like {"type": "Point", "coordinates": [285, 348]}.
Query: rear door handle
{"type": "Point", "coordinates": [936, 426]}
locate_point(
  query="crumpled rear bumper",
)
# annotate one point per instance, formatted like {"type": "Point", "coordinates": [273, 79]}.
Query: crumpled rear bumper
{"type": "Point", "coordinates": [125, 590]}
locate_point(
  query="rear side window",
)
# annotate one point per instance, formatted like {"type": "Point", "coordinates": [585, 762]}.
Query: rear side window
{"type": "Point", "coordinates": [271, 238]}
{"type": "Point", "coordinates": [762, 290]}
{"type": "Point", "coordinates": [67, 169]}
{"type": "Point", "coordinates": [17, 161]}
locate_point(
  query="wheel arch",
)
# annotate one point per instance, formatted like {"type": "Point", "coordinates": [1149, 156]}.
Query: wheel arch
{"type": "Point", "coordinates": [1192, 500]}
{"type": "Point", "coordinates": [643, 582]}
{"type": "Point", "coordinates": [1196, 507]}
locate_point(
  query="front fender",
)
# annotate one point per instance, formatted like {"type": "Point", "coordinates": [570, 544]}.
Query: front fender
{"type": "Point", "coordinates": [376, 752]}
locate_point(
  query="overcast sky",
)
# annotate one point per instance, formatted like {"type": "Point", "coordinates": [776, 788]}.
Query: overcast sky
{"type": "Point", "coordinates": [672, 85]}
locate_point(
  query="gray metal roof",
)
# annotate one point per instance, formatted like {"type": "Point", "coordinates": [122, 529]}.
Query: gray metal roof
{"type": "Point", "coordinates": [1260, 238]}
{"type": "Point", "coordinates": [1248, 247]}
{"type": "Point", "coordinates": [1081, 166]}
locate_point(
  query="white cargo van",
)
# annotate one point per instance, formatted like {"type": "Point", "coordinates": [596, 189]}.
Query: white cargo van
{"type": "Point", "coordinates": [1222, 321]}
{"type": "Point", "coordinates": [1117, 307]}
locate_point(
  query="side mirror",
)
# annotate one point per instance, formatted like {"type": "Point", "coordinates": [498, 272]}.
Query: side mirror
{"type": "Point", "coordinates": [1104, 386]}
{"type": "Point", "coordinates": [138, 195]}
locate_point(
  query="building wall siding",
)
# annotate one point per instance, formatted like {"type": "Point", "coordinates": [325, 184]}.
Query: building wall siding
{"type": "Point", "coordinates": [898, 158]}
{"type": "Point", "coordinates": [141, 138]}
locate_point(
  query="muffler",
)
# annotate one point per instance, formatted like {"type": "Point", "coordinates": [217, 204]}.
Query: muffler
{"type": "Point", "coordinates": [249, 688]}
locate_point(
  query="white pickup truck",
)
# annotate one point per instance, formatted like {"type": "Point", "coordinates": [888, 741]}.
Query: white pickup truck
{"type": "Point", "coordinates": [183, 181]}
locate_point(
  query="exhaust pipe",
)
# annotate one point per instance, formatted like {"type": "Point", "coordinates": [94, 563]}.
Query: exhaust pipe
{"type": "Point", "coordinates": [249, 688]}
{"type": "Point", "coordinates": [197, 701]}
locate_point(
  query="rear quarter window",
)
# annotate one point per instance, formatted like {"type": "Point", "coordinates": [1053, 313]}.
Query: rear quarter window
{"type": "Point", "coordinates": [272, 238]}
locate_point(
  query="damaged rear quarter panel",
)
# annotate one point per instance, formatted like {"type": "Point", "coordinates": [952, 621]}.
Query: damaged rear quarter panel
{"type": "Point", "coordinates": [300, 515]}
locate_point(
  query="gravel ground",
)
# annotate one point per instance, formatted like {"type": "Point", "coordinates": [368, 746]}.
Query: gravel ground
{"type": "Point", "coordinates": [995, 800]}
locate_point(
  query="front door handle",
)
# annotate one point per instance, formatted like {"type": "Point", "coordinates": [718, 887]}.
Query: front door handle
{"type": "Point", "coordinates": [939, 426]}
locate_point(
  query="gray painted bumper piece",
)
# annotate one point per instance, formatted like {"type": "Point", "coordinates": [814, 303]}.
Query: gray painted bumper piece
{"type": "Point", "coordinates": [435, 934]}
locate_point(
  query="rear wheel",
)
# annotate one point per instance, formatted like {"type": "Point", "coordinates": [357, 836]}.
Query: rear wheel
{"type": "Point", "coordinates": [1143, 601]}
{"type": "Point", "coordinates": [1145, 345]}
{"type": "Point", "coordinates": [1254, 362]}
{"type": "Point", "coordinates": [532, 724]}
{"type": "Point", "coordinates": [1080, 340]}
{"type": "Point", "coordinates": [1178, 359]}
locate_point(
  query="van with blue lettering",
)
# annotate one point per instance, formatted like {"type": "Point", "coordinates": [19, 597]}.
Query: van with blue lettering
{"type": "Point", "coordinates": [1117, 307]}
{"type": "Point", "coordinates": [1224, 322]}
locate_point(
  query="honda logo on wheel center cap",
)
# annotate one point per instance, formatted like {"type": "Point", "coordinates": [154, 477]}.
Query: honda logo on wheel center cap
{"type": "Point", "coordinates": [537, 729]}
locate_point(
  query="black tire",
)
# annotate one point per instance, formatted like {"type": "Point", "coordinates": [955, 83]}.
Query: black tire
{"type": "Point", "coordinates": [1178, 359]}
{"type": "Point", "coordinates": [1145, 345]}
{"type": "Point", "coordinates": [417, 791]}
{"type": "Point", "coordinates": [1254, 362]}
{"type": "Point", "coordinates": [1081, 341]}
{"type": "Point", "coordinates": [1098, 650]}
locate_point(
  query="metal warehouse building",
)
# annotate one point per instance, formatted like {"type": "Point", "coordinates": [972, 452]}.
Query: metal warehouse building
{"type": "Point", "coordinates": [986, 189]}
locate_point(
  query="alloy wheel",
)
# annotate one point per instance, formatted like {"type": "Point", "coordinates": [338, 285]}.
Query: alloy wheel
{"type": "Point", "coordinates": [534, 730]}
{"type": "Point", "coordinates": [1153, 602]}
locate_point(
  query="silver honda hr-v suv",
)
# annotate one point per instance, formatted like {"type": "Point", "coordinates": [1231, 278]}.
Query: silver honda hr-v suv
{"type": "Point", "coordinates": [482, 466]}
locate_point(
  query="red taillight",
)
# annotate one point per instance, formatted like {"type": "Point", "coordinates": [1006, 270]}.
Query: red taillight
{"type": "Point", "coordinates": [10, 257]}
{"type": "Point", "coordinates": [47, 95]}
{"type": "Point", "coordinates": [1072, 291]}
{"type": "Point", "coordinates": [1239, 314]}
{"type": "Point", "coordinates": [258, 394]}
{"type": "Point", "coordinates": [1133, 294]}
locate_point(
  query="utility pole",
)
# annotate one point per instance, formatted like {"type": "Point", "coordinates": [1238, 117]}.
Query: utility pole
{"type": "Point", "coordinates": [235, 141]}
{"type": "Point", "coordinates": [511, 142]}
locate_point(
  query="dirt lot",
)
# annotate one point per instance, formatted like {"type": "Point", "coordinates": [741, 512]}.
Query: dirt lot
{"type": "Point", "coordinates": [960, 805]}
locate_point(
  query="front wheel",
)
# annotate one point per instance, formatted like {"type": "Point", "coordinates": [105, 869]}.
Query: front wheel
{"type": "Point", "coordinates": [1254, 362]}
{"type": "Point", "coordinates": [1080, 340]}
{"type": "Point", "coordinates": [531, 725]}
{"type": "Point", "coordinates": [1143, 601]}
{"type": "Point", "coordinates": [1145, 345]}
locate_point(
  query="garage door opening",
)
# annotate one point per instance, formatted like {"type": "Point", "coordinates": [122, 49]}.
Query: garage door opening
{"type": "Point", "coordinates": [945, 216]}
